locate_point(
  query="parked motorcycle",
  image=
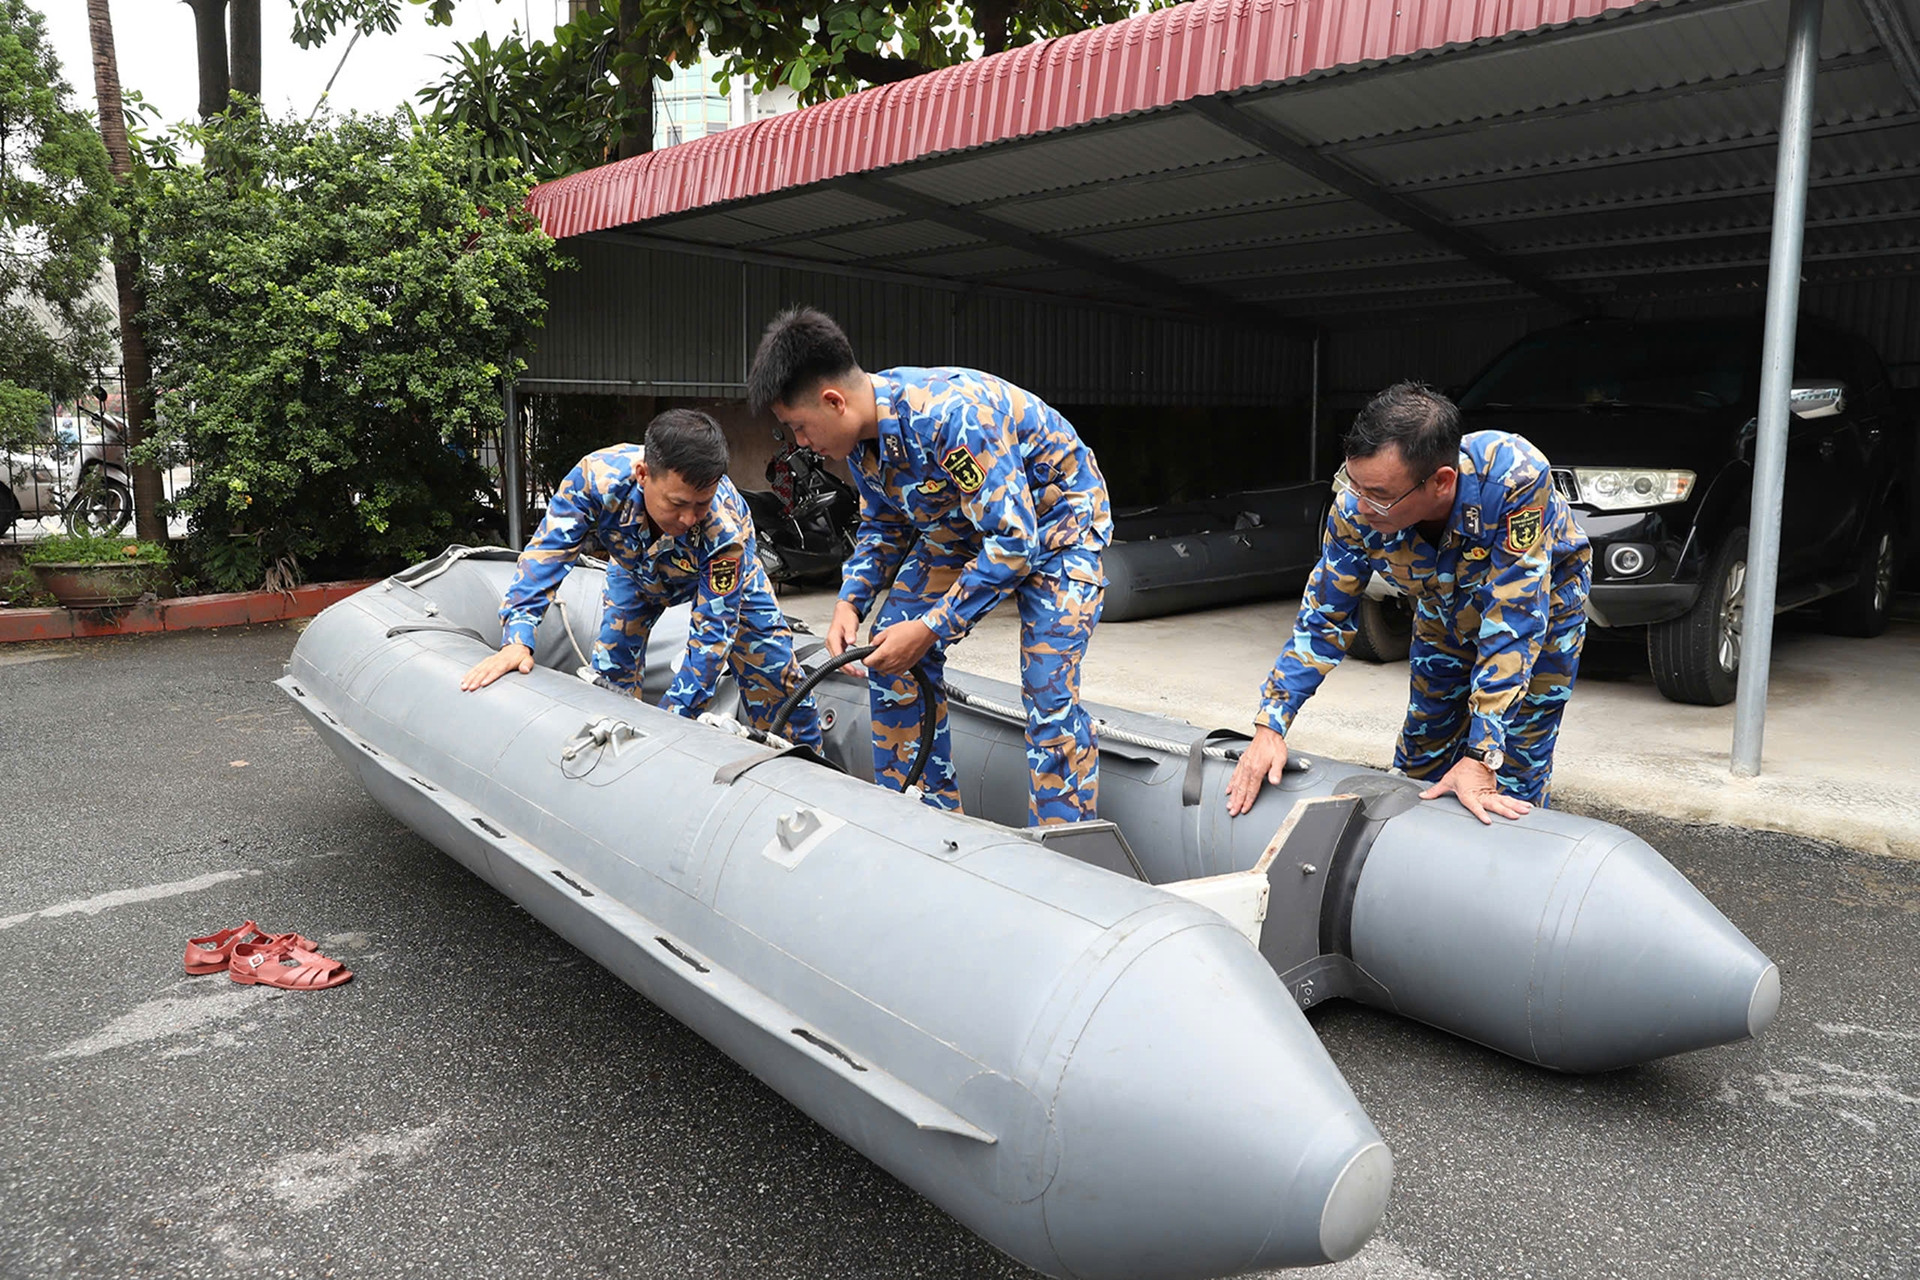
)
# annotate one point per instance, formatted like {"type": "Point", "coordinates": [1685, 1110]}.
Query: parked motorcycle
{"type": "Point", "coordinates": [102, 500]}
{"type": "Point", "coordinates": [804, 526]}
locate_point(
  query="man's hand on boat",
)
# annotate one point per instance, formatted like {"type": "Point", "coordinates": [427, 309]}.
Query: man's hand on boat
{"type": "Point", "coordinates": [512, 657]}
{"type": "Point", "coordinates": [901, 645]}
{"type": "Point", "coordinates": [1260, 762]}
{"type": "Point", "coordinates": [1476, 787]}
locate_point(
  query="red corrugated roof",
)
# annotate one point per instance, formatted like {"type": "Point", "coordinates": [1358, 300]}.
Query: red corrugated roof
{"type": "Point", "coordinates": [1151, 61]}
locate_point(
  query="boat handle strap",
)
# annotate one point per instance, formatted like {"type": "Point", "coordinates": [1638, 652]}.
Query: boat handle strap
{"type": "Point", "coordinates": [405, 627]}
{"type": "Point", "coordinates": [1197, 762]}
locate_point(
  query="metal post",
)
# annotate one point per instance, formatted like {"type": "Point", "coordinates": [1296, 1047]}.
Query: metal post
{"type": "Point", "coordinates": [1313, 414]}
{"type": "Point", "coordinates": [510, 465]}
{"type": "Point", "coordinates": [1776, 380]}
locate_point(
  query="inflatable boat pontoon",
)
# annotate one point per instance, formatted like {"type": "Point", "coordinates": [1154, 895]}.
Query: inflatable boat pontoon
{"type": "Point", "coordinates": [1085, 1043]}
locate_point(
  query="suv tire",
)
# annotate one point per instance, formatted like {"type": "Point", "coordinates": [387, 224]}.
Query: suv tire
{"type": "Point", "coordinates": [1696, 656]}
{"type": "Point", "coordinates": [1863, 608]}
{"type": "Point", "coordinates": [1383, 629]}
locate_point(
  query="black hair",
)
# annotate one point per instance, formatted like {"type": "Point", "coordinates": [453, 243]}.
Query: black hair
{"type": "Point", "coordinates": [1412, 415]}
{"type": "Point", "coordinates": [801, 349]}
{"type": "Point", "coordinates": [690, 443]}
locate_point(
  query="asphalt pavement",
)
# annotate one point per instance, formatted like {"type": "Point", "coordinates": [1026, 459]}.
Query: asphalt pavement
{"type": "Point", "coordinates": [483, 1101]}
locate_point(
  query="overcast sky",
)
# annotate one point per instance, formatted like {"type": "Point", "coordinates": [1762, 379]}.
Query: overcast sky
{"type": "Point", "coordinates": [154, 42]}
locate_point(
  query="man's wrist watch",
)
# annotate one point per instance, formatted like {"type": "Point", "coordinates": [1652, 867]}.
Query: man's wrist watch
{"type": "Point", "coordinates": [1492, 757]}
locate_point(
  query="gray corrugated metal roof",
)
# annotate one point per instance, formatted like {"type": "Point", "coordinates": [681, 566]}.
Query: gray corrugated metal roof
{"type": "Point", "coordinates": [1624, 158]}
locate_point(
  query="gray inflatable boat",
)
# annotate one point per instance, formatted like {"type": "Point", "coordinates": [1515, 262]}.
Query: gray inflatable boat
{"type": "Point", "coordinates": [1085, 1043]}
{"type": "Point", "coordinates": [1256, 545]}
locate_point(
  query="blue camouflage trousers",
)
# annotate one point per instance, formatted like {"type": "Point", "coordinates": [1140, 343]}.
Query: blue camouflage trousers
{"type": "Point", "coordinates": [1438, 713]}
{"type": "Point", "coordinates": [1059, 606]}
{"type": "Point", "coordinates": [761, 659]}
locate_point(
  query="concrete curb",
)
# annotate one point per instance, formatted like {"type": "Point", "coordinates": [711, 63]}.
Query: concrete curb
{"type": "Point", "coordinates": [180, 613]}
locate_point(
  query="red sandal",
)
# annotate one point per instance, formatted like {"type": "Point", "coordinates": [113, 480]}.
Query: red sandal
{"type": "Point", "coordinates": [288, 961]}
{"type": "Point", "coordinates": [211, 953]}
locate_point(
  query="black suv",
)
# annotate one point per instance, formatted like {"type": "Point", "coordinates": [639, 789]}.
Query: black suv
{"type": "Point", "coordinates": [1650, 428]}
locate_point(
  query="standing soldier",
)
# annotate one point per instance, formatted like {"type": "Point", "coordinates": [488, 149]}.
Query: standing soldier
{"type": "Point", "coordinates": [1498, 571]}
{"type": "Point", "coordinates": [675, 530]}
{"type": "Point", "coordinates": [970, 489]}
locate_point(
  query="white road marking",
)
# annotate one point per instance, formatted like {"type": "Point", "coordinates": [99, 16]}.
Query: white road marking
{"type": "Point", "coordinates": [167, 1017]}
{"type": "Point", "coordinates": [121, 897]}
{"type": "Point", "coordinates": [1876, 1033]}
{"type": "Point", "coordinates": [16, 659]}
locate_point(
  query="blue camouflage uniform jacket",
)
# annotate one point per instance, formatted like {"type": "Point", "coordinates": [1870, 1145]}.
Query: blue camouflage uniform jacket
{"type": "Point", "coordinates": [967, 460]}
{"type": "Point", "coordinates": [708, 564]}
{"type": "Point", "coordinates": [1510, 544]}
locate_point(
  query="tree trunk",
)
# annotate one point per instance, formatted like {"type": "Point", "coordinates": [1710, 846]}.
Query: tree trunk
{"type": "Point", "coordinates": [634, 133]}
{"type": "Point", "coordinates": [244, 28]}
{"type": "Point", "coordinates": [147, 491]}
{"type": "Point", "coordinates": [210, 44]}
{"type": "Point", "coordinates": [990, 24]}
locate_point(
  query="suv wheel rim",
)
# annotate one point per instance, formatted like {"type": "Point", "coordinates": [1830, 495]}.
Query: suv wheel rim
{"type": "Point", "coordinates": [1732, 602]}
{"type": "Point", "coordinates": [1883, 574]}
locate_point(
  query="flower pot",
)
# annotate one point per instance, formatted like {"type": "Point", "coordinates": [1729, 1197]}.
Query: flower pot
{"type": "Point", "coordinates": [104, 585]}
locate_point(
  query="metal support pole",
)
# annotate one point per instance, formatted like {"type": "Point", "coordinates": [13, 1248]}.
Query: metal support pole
{"type": "Point", "coordinates": [1776, 380]}
{"type": "Point", "coordinates": [510, 466]}
{"type": "Point", "coordinates": [1313, 414]}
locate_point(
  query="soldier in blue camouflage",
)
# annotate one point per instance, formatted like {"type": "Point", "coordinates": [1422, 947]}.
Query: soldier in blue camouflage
{"type": "Point", "coordinates": [675, 530]}
{"type": "Point", "coordinates": [1498, 572]}
{"type": "Point", "coordinates": [971, 490]}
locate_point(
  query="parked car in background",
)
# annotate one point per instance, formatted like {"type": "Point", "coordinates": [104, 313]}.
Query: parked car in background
{"type": "Point", "coordinates": [1650, 428]}
{"type": "Point", "coordinates": [34, 482]}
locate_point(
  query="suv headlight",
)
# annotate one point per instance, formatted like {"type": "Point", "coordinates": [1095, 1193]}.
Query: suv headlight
{"type": "Point", "coordinates": [1617, 489]}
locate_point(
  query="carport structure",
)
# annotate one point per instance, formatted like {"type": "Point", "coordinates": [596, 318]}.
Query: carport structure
{"type": "Point", "coordinates": [1342, 191]}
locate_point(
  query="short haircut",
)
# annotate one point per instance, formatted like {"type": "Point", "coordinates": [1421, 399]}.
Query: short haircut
{"type": "Point", "coordinates": [1422, 422]}
{"type": "Point", "coordinates": [690, 443]}
{"type": "Point", "coordinates": [801, 349]}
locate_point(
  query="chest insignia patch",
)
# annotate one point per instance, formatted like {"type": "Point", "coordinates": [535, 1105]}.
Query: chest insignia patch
{"type": "Point", "coordinates": [1471, 519]}
{"type": "Point", "coordinates": [1476, 553]}
{"type": "Point", "coordinates": [1523, 529]}
{"type": "Point", "coordinates": [680, 560]}
{"type": "Point", "coordinates": [965, 470]}
{"type": "Point", "coordinates": [723, 574]}
{"type": "Point", "coordinates": [931, 487]}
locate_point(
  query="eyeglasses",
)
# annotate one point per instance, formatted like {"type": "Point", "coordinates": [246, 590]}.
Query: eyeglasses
{"type": "Point", "coordinates": [1343, 483]}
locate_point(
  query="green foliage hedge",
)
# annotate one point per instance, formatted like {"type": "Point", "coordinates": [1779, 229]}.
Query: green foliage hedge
{"type": "Point", "coordinates": [332, 311]}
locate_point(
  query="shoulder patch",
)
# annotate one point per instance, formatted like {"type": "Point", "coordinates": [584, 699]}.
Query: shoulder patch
{"type": "Point", "coordinates": [1523, 529]}
{"type": "Point", "coordinates": [964, 468]}
{"type": "Point", "coordinates": [723, 574]}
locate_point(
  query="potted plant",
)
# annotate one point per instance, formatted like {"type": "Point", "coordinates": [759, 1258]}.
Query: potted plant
{"type": "Point", "coordinates": [89, 571]}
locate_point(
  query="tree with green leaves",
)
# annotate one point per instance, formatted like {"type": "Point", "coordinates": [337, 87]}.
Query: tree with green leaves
{"type": "Point", "coordinates": [586, 98]}
{"type": "Point", "coordinates": [332, 312]}
{"type": "Point", "coordinates": [56, 217]}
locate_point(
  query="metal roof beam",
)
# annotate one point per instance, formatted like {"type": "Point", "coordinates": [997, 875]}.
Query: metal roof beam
{"type": "Point", "coordinates": [1204, 301]}
{"type": "Point", "coordinates": [1365, 190]}
{"type": "Point", "coordinates": [1890, 26]}
{"type": "Point", "coordinates": [1595, 106]}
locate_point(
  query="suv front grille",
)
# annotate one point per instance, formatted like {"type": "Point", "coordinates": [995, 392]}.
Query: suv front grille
{"type": "Point", "coordinates": [1564, 482]}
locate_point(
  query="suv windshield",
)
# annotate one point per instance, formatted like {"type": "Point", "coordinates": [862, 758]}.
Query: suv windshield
{"type": "Point", "coordinates": [1686, 367]}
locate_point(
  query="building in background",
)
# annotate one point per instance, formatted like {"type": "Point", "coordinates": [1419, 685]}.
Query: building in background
{"type": "Point", "coordinates": [692, 105]}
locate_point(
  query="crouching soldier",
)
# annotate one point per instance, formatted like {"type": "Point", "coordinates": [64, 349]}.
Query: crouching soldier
{"type": "Point", "coordinates": [675, 530]}
{"type": "Point", "coordinates": [970, 490]}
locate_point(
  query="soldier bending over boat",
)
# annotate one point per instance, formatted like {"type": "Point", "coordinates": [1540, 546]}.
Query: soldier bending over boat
{"type": "Point", "coordinates": [675, 530]}
{"type": "Point", "coordinates": [1473, 531]}
{"type": "Point", "coordinates": [972, 489]}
